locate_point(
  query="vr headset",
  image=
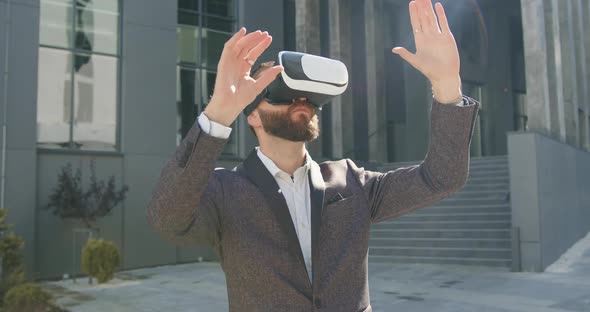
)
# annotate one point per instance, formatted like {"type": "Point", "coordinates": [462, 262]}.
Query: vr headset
{"type": "Point", "coordinates": [316, 78]}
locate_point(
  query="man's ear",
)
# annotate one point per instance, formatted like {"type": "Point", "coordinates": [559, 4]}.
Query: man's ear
{"type": "Point", "coordinates": [254, 119]}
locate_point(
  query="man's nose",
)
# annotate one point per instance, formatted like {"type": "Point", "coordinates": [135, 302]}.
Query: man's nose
{"type": "Point", "coordinates": [300, 101]}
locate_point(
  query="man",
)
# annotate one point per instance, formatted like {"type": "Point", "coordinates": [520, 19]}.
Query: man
{"type": "Point", "coordinates": [291, 234]}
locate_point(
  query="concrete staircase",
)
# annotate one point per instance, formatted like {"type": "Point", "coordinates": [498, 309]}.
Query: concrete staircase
{"type": "Point", "coordinates": [471, 227]}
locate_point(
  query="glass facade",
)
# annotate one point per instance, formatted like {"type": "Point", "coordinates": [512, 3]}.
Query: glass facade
{"type": "Point", "coordinates": [203, 28]}
{"type": "Point", "coordinates": [77, 97]}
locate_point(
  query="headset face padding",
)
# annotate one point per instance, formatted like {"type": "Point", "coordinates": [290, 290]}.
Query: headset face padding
{"type": "Point", "coordinates": [316, 78]}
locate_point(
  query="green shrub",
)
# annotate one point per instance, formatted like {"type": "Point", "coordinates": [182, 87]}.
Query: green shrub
{"type": "Point", "coordinates": [100, 259]}
{"type": "Point", "coordinates": [27, 297]}
{"type": "Point", "coordinates": [11, 247]}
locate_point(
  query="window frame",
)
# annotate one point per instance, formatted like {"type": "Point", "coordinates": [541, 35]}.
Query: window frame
{"type": "Point", "coordinates": [199, 68]}
{"type": "Point", "coordinates": [73, 50]}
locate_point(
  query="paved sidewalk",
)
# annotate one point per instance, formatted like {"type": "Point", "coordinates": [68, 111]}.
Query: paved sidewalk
{"type": "Point", "coordinates": [409, 288]}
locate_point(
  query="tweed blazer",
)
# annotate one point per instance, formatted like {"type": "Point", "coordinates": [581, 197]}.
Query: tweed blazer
{"type": "Point", "coordinates": [244, 217]}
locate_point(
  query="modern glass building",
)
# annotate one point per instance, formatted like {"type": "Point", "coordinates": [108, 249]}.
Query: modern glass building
{"type": "Point", "coordinates": [120, 82]}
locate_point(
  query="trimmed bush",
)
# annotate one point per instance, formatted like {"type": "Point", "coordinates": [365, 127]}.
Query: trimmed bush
{"type": "Point", "coordinates": [100, 259]}
{"type": "Point", "coordinates": [27, 297]}
{"type": "Point", "coordinates": [11, 247]}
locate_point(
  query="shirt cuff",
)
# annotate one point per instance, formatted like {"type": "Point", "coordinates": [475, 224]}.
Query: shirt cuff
{"type": "Point", "coordinates": [213, 128]}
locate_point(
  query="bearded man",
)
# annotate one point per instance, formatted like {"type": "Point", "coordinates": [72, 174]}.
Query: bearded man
{"type": "Point", "coordinates": [292, 234]}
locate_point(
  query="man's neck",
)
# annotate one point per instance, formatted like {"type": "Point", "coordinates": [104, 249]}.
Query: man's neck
{"type": "Point", "coordinates": [287, 155]}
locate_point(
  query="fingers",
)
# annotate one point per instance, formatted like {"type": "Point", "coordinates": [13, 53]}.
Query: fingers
{"type": "Point", "coordinates": [267, 77]}
{"type": "Point", "coordinates": [442, 18]}
{"type": "Point", "coordinates": [406, 55]}
{"type": "Point", "coordinates": [427, 17]}
{"type": "Point", "coordinates": [414, 17]}
{"type": "Point", "coordinates": [257, 50]}
{"type": "Point", "coordinates": [248, 42]}
{"type": "Point", "coordinates": [237, 36]}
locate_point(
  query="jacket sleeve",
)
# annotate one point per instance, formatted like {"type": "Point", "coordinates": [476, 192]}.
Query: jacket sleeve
{"type": "Point", "coordinates": [185, 206]}
{"type": "Point", "coordinates": [443, 171]}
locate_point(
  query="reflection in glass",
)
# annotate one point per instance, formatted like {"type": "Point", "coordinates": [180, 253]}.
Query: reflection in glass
{"type": "Point", "coordinates": [186, 106]}
{"type": "Point", "coordinates": [56, 23]}
{"type": "Point", "coordinates": [208, 83]}
{"type": "Point", "coordinates": [54, 97]}
{"type": "Point", "coordinates": [187, 43]}
{"type": "Point", "coordinates": [192, 5]}
{"type": "Point", "coordinates": [219, 7]}
{"type": "Point", "coordinates": [95, 103]}
{"type": "Point", "coordinates": [213, 42]}
{"type": "Point", "coordinates": [219, 23]}
{"type": "Point", "coordinates": [199, 50]}
{"type": "Point", "coordinates": [97, 23]}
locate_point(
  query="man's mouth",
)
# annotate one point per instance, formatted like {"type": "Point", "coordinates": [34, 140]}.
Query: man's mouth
{"type": "Point", "coordinates": [302, 108]}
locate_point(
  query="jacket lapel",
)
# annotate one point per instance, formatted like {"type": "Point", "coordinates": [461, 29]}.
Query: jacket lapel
{"type": "Point", "coordinates": [261, 177]}
{"type": "Point", "coordinates": [317, 188]}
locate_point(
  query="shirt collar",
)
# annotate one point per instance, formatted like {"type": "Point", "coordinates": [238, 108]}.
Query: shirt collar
{"type": "Point", "coordinates": [272, 167]}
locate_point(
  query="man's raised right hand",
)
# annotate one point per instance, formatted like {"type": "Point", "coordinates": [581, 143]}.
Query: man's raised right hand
{"type": "Point", "coordinates": [234, 88]}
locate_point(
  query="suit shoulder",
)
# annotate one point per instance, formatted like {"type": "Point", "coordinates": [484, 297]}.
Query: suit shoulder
{"type": "Point", "coordinates": [341, 164]}
{"type": "Point", "coordinates": [224, 173]}
{"type": "Point", "coordinates": [339, 168]}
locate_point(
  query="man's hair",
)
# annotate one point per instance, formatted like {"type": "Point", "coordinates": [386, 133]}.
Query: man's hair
{"type": "Point", "coordinates": [257, 73]}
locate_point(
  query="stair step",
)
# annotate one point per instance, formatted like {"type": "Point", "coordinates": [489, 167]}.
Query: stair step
{"type": "Point", "coordinates": [481, 217]}
{"type": "Point", "coordinates": [442, 233]}
{"type": "Point", "coordinates": [487, 180]}
{"type": "Point", "coordinates": [500, 172]}
{"type": "Point", "coordinates": [469, 227]}
{"type": "Point", "coordinates": [443, 225]}
{"type": "Point", "coordinates": [438, 260]}
{"type": "Point", "coordinates": [485, 253]}
{"type": "Point", "coordinates": [447, 205]}
{"type": "Point", "coordinates": [481, 194]}
{"type": "Point", "coordinates": [440, 243]}
{"type": "Point", "coordinates": [452, 201]}
{"type": "Point", "coordinates": [465, 210]}
{"type": "Point", "coordinates": [486, 187]}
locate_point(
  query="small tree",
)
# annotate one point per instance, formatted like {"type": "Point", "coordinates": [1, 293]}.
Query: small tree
{"type": "Point", "coordinates": [70, 200]}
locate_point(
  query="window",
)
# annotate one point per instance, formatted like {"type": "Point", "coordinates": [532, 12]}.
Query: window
{"type": "Point", "coordinates": [203, 28]}
{"type": "Point", "coordinates": [78, 81]}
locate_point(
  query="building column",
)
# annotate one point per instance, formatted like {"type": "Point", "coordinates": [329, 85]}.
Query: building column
{"type": "Point", "coordinates": [554, 70]}
{"type": "Point", "coordinates": [307, 34]}
{"type": "Point", "coordinates": [336, 42]}
{"type": "Point", "coordinates": [497, 109]}
{"type": "Point", "coordinates": [358, 85]}
{"type": "Point", "coordinates": [375, 50]}
{"type": "Point", "coordinates": [581, 39]}
{"type": "Point", "coordinates": [537, 71]}
{"type": "Point", "coordinates": [563, 30]}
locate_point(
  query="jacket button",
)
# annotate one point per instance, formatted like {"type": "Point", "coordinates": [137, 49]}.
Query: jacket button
{"type": "Point", "coordinates": [317, 302]}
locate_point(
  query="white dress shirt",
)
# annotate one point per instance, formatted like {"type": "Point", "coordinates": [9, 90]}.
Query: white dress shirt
{"type": "Point", "coordinates": [294, 188]}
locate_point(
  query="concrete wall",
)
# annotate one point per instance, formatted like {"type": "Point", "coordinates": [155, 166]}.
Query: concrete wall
{"type": "Point", "coordinates": [20, 39]}
{"type": "Point", "coordinates": [549, 195]}
{"type": "Point", "coordinates": [148, 120]}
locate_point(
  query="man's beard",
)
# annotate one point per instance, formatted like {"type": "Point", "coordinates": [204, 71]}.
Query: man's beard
{"type": "Point", "coordinates": [283, 126]}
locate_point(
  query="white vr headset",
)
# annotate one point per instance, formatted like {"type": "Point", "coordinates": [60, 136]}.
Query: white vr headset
{"type": "Point", "coordinates": [316, 78]}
